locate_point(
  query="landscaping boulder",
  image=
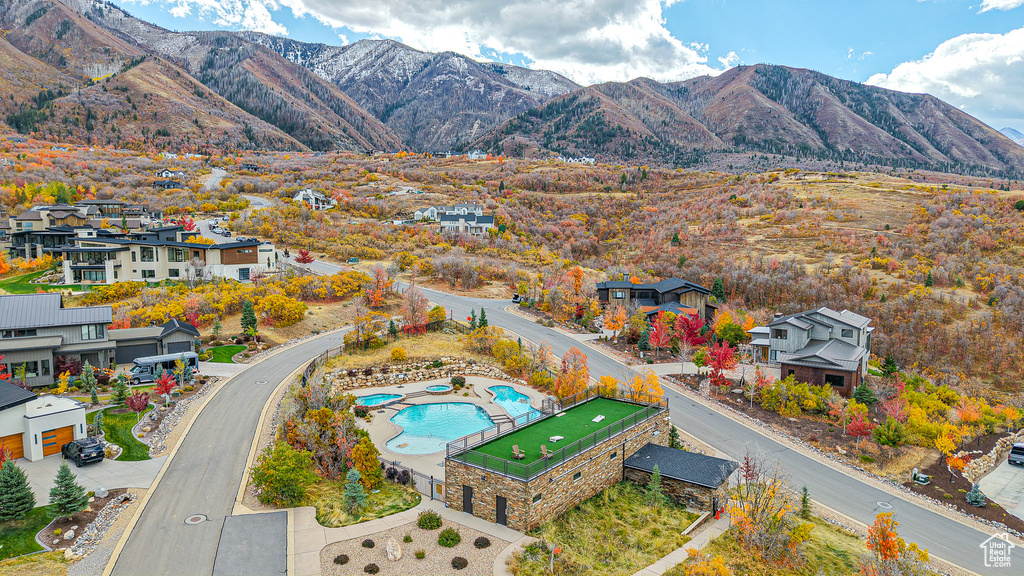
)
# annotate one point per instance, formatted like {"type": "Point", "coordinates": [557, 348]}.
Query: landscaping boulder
{"type": "Point", "coordinates": [101, 493]}
{"type": "Point", "coordinates": [69, 535]}
{"type": "Point", "coordinates": [393, 550]}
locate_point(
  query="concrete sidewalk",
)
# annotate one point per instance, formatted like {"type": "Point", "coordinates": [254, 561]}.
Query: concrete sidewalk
{"type": "Point", "coordinates": [106, 474]}
{"type": "Point", "coordinates": [220, 369]}
{"type": "Point", "coordinates": [1005, 486]}
{"type": "Point", "coordinates": [706, 535]}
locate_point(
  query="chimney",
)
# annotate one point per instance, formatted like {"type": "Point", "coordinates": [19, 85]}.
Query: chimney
{"type": "Point", "coordinates": [625, 276]}
{"type": "Point", "coordinates": [778, 315]}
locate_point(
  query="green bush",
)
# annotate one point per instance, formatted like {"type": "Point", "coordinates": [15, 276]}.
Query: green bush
{"type": "Point", "coordinates": [420, 554]}
{"type": "Point", "coordinates": [368, 543]}
{"type": "Point", "coordinates": [407, 538]}
{"type": "Point", "coordinates": [429, 520]}
{"type": "Point", "coordinates": [341, 559]}
{"type": "Point", "coordinates": [282, 475]}
{"type": "Point", "coordinates": [449, 537]}
{"type": "Point", "coordinates": [371, 568]}
{"type": "Point", "coordinates": [482, 542]}
{"type": "Point", "coordinates": [458, 381]}
{"type": "Point", "coordinates": [459, 562]}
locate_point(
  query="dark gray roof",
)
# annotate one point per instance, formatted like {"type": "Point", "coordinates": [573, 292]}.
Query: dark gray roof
{"type": "Point", "coordinates": [803, 319]}
{"type": "Point", "coordinates": [30, 215]}
{"type": "Point", "coordinates": [662, 286]}
{"type": "Point", "coordinates": [833, 354]}
{"type": "Point", "coordinates": [11, 395]}
{"type": "Point", "coordinates": [681, 465]}
{"type": "Point", "coordinates": [41, 310]}
{"type": "Point", "coordinates": [174, 324]}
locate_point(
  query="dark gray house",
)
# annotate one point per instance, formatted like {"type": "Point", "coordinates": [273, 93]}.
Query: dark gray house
{"type": "Point", "coordinates": [671, 294]}
{"type": "Point", "coordinates": [169, 338]}
{"type": "Point", "coordinates": [691, 479]}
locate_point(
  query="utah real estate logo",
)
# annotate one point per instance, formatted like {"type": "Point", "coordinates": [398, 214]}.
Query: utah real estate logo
{"type": "Point", "coordinates": [997, 550]}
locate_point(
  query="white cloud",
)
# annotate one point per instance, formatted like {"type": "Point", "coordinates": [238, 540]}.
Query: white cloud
{"type": "Point", "coordinates": [987, 5]}
{"type": "Point", "coordinates": [729, 60]}
{"type": "Point", "coordinates": [586, 40]}
{"type": "Point", "coordinates": [982, 73]}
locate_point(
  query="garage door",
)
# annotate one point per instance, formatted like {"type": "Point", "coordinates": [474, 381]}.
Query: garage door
{"type": "Point", "coordinates": [126, 354]}
{"type": "Point", "coordinates": [54, 439]}
{"type": "Point", "coordinates": [13, 445]}
{"type": "Point", "coordinates": [178, 347]}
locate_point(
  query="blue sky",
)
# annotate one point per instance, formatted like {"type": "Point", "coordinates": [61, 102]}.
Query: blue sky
{"type": "Point", "coordinates": [969, 53]}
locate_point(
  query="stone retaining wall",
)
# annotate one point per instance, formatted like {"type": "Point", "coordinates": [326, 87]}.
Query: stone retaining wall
{"type": "Point", "coordinates": [418, 372]}
{"type": "Point", "coordinates": [982, 465]}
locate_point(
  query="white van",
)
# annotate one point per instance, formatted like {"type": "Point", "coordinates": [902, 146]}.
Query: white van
{"type": "Point", "coordinates": [145, 368]}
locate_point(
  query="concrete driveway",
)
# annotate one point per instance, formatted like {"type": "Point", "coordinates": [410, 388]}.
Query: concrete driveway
{"type": "Point", "coordinates": [106, 474]}
{"type": "Point", "coordinates": [1005, 486]}
{"type": "Point", "coordinates": [221, 369]}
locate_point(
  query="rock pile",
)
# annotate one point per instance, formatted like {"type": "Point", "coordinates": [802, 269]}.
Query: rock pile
{"type": "Point", "coordinates": [417, 372]}
{"type": "Point", "coordinates": [94, 532]}
{"type": "Point", "coordinates": [982, 465]}
{"type": "Point", "coordinates": [157, 438]}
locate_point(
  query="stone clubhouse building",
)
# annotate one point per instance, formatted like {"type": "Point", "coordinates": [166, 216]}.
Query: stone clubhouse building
{"type": "Point", "coordinates": [532, 470]}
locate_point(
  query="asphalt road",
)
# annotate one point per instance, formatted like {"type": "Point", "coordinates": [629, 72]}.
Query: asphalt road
{"type": "Point", "coordinates": [204, 475]}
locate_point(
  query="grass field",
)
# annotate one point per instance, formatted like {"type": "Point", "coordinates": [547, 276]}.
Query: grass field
{"type": "Point", "coordinates": [615, 532]}
{"type": "Point", "coordinates": [223, 354]}
{"type": "Point", "coordinates": [118, 430]}
{"type": "Point", "coordinates": [22, 284]}
{"type": "Point", "coordinates": [19, 536]}
{"type": "Point", "coordinates": [575, 425]}
{"type": "Point", "coordinates": [46, 564]}
{"type": "Point", "coordinates": [327, 496]}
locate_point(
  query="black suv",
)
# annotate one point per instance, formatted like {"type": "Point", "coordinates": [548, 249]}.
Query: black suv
{"type": "Point", "coordinates": [83, 451]}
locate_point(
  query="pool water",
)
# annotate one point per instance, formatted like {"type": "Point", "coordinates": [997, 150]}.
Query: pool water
{"type": "Point", "coordinates": [428, 427]}
{"type": "Point", "coordinates": [515, 403]}
{"type": "Point", "coordinates": [376, 399]}
{"type": "Point", "coordinates": [439, 387]}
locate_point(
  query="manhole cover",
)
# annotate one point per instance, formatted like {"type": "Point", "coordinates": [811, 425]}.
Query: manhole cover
{"type": "Point", "coordinates": [261, 381]}
{"type": "Point", "coordinates": [884, 505]}
{"type": "Point", "coordinates": [196, 519]}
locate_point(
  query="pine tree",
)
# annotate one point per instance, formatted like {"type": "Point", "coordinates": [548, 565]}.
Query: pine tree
{"type": "Point", "coordinates": [97, 424]}
{"type": "Point", "coordinates": [16, 498]}
{"type": "Point", "coordinates": [882, 299]}
{"type": "Point", "coordinates": [644, 345]}
{"type": "Point", "coordinates": [472, 319]}
{"type": "Point", "coordinates": [120, 395]}
{"type": "Point", "coordinates": [217, 328]}
{"type": "Point", "coordinates": [673, 438]}
{"type": "Point", "coordinates": [975, 497]}
{"type": "Point", "coordinates": [392, 329]}
{"type": "Point", "coordinates": [354, 495]}
{"type": "Point", "coordinates": [889, 367]}
{"type": "Point", "coordinates": [675, 239]}
{"type": "Point", "coordinates": [929, 281]}
{"type": "Point", "coordinates": [89, 381]}
{"type": "Point", "coordinates": [483, 318]}
{"type": "Point", "coordinates": [865, 395]}
{"type": "Point", "coordinates": [655, 496]}
{"type": "Point", "coordinates": [718, 290]}
{"type": "Point", "coordinates": [248, 317]}
{"type": "Point", "coordinates": [67, 497]}
{"type": "Point", "coordinates": [805, 504]}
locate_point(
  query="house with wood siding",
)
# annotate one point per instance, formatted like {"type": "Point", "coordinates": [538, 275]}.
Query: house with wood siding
{"type": "Point", "coordinates": [671, 294]}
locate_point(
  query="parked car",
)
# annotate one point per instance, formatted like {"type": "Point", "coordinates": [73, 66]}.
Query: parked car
{"type": "Point", "coordinates": [1016, 455]}
{"type": "Point", "coordinates": [353, 260]}
{"type": "Point", "coordinates": [227, 232]}
{"type": "Point", "coordinates": [516, 298]}
{"type": "Point", "coordinates": [83, 451]}
{"type": "Point", "coordinates": [218, 230]}
{"type": "Point", "coordinates": [225, 218]}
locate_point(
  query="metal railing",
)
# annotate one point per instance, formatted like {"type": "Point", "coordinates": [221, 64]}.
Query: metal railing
{"type": "Point", "coordinates": [462, 449]}
{"type": "Point", "coordinates": [423, 483]}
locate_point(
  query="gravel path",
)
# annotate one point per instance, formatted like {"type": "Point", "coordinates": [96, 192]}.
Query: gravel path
{"type": "Point", "coordinates": [95, 562]}
{"type": "Point", "coordinates": [438, 560]}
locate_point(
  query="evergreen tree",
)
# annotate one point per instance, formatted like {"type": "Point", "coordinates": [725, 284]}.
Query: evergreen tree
{"type": "Point", "coordinates": [248, 317]}
{"type": "Point", "coordinates": [655, 496]}
{"type": "Point", "coordinates": [975, 497]}
{"type": "Point", "coordinates": [675, 239]}
{"type": "Point", "coordinates": [392, 329]}
{"type": "Point", "coordinates": [89, 381]}
{"type": "Point", "coordinates": [217, 328]}
{"type": "Point", "coordinates": [354, 495]}
{"type": "Point", "coordinates": [472, 319]}
{"type": "Point", "coordinates": [673, 438]}
{"type": "Point", "coordinates": [805, 504]}
{"type": "Point", "coordinates": [97, 424]}
{"type": "Point", "coordinates": [67, 497]}
{"type": "Point", "coordinates": [864, 395]}
{"type": "Point", "coordinates": [929, 281]}
{"type": "Point", "coordinates": [889, 367]}
{"type": "Point", "coordinates": [16, 498]}
{"type": "Point", "coordinates": [120, 395]}
{"type": "Point", "coordinates": [682, 260]}
{"type": "Point", "coordinates": [483, 318]}
{"type": "Point", "coordinates": [882, 299]}
{"type": "Point", "coordinates": [644, 345]}
{"type": "Point", "coordinates": [718, 290]}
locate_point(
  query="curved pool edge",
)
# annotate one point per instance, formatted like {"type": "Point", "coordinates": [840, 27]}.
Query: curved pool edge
{"type": "Point", "coordinates": [401, 429]}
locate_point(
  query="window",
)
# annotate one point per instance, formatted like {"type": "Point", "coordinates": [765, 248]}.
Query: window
{"type": "Point", "coordinates": [149, 273]}
{"type": "Point", "coordinates": [46, 367]}
{"type": "Point", "coordinates": [173, 273]}
{"type": "Point", "coordinates": [177, 254]}
{"type": "Point", "coordinates": [835, 380]}
{"type": "Point", "coordinates": [618, 294]}
{"type": "Point", "coordinates": [196, 254]}
{"type": "Point", "coordinates": [94, 275]}
{"type": "Point", "coordinates": [847, 333]}
{"type": "Point", "coordinates": [245, 251]}
{"type": "Point", "coordinates": [780, 333]}
{"type": "Point", "coordinates": [577, 476]}
{"type": "Point", "coordinates": [135, 258]}
{"type": "Point", "coordinates": [31, 369]}
{"type": "Point", "coordinates": [18, 333]}
{"type": "Point", "coordinates": [537, 498]}
{"type": "Point", "coordinates": [147, 254]}
{"type": "Point", "coordinates": [92, 332]}
{"type": "Point", "coordinates": [791, 373]}
{"type": "Point", "coordinates": [243, 273]}
{"type": "Point", "coordinates": [613, 455]}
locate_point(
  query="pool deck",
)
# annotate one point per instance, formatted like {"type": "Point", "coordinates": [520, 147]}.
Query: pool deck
{"type": "Point", "coordinates": [382, 429]}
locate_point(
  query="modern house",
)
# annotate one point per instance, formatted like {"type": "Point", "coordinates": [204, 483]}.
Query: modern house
{"type": "Point", "coordinates": [41, 228]}
{"type": "Point", "coordinates": [434, 213]}
{"type": "Point", "coordinates": [671, 294]}
{"type": "Point", "coordinates": [35, 328]}
{"type": "Point", "coordinates": [251, 167]}
{"type": "Point", "coordinates": [33, 426]}
{"type": "Point", "coordinates": [691, 479]}
{"type": "Point", "coordinates": [819, 347]}
{"type": "Point", "coordinates": [170, 338]}
{"type": "Point", "coordinates": [466, 224]}
{"type": "Point", "coordinates": [166, 184]}
{"type": "Point", "coordinates": [315, 199]}
{"type": "Point", "coordinates": [159, 254]}
{"type": "Point", "coordinates": [168, 173]}
{"type": "Point", "coordinates": [530, 470]}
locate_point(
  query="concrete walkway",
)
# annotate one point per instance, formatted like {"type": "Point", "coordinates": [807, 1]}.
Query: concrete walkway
{"type": "Point", "coordinates": [106, 474]}
{"type": "Point", "coordinates": [221, 369]}
{"type": "Point", "coordinates": [1005, 486]}
{"type": "Point", "coordinates": [306, 537]}
{"type": "Point", "coordinates": [709, 533]}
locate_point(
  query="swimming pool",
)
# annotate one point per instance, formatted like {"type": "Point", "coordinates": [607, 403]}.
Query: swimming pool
{"type": "Point", "coordinates": [439, 388]}
{"type": "Point", "coordinates": [515, 403]}
{"type": "Point", "coordinates": [376, 399]}
{"type": "Point", "coordinates": [428, 427]}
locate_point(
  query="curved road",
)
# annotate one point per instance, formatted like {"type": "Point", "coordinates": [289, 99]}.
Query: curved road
{"type": "Point", "coordinates": [204, 475]}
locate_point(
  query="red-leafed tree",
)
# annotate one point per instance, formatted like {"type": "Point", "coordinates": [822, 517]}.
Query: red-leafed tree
{"type": "Point", "coordinates": [721, 357]}
{"type": "Point", "coordinates": [138, 401]}
{"type": "Point", "coordinates": [188, 224]}
{"type": "Point", "coordinates": [304, 256]}
{"type": "Point", "coordinates": [414, 311]}
{"type": "Point", "coordinates": [164, 384]}
{"type": "Point", "coordinates": [377, 289]}
{"type": "Point", "coordinates": [4, 376]}
{"type": "Point", "coordinates": [688, 326]}
{"type": "Point", "coordinates": [860, 426]}
{"type": "Point", "coordinates": [660, 336]}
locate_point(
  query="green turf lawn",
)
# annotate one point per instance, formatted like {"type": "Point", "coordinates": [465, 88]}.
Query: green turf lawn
{"type": "Point", "coordinates": [19, 536]}
{"type": "Point", "coordinates": [575, 425]}
{"type": "Point", "coordinates": [223, 354]}
{"type": "Point", "coordinates": [21, 285]}
{"type": "Point", "coordinates": [118, 430]}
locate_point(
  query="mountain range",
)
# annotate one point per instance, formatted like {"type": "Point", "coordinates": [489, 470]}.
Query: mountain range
{"type": "Point", "coordinates": [87, 71]}
{"type": "Point", "coordinates": [1013, 134]}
